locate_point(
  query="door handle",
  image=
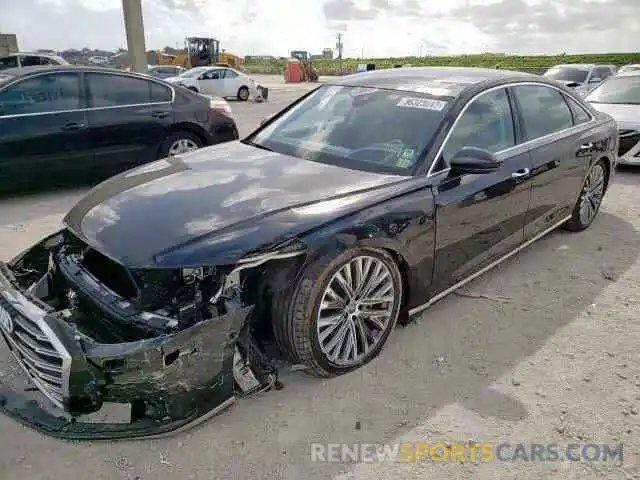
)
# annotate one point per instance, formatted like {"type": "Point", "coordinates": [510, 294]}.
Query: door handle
{"type": "Point", "coordinates": [586, 146]}
{"type": "Point", "coordinates": [158, 114]}
{"type": "Point", "coordinates": [70, 127]}
{"type": "Point", "coordinates": [524, 172]}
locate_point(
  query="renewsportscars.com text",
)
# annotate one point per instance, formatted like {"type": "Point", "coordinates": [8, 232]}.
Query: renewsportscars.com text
{"type": "Point", "coordinates": [466, 452]}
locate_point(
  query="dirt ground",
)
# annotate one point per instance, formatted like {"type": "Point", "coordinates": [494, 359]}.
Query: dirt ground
{"type": "Point", "coordinates": [544, 349]}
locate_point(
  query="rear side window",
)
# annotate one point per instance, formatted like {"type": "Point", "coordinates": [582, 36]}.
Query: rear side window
{"type": "Point", "coordinates": [230, 74]}
{"type": "Point", "coordinates": [580, 115]}
{"type": "Point", "coordinates": [52, 92]}
{"type": "Point", "coordinates": [160, 93]}
{"type": "Point", "coordinates": [543, 110]}
{"type": "Point", "coordinates": [110, 90]}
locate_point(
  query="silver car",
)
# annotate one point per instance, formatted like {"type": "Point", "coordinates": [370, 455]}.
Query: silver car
{"type": "Point", "coordinates": [582, 77]}
{"type": "Point", "coordinates": [620, 97]}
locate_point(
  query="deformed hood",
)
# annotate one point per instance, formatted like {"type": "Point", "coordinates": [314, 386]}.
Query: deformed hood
{"type": "Point", "coordinates": [137, 215]}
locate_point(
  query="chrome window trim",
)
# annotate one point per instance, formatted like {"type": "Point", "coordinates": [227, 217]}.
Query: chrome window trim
{"type": "Point", "coordinates": [521, 147]}
{"type": "Point", "coordinates": [89, 109]}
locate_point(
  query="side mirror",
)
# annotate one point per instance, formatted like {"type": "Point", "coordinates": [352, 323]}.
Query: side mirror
{"type": "Point", "coordinates": [474, 160]}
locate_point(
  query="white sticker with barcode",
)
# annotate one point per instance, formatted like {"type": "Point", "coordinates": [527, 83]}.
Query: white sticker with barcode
{"type": "Point", "coordinates": [423, 103]}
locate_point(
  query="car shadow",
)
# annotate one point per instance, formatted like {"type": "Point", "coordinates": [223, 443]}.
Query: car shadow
{"type": "Point", "coordinates": [454, 352]}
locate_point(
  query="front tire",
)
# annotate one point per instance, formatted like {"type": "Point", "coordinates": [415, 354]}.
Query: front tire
{"type": "Point", "coordinates": [243, 94]}
{"type": "Point", "coordinates": [591, 195]}
{"type": "Point", "coordinates": [341, 312]}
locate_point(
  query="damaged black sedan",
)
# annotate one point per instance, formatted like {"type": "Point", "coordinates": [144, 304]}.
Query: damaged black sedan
{"type": "Point", "coordinates": [173, 287]}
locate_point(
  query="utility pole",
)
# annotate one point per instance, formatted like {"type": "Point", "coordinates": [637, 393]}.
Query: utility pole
{"type": "Point", "coordinates": [339, 48]}
{"type": "Point", "coordinates": [134, 27]}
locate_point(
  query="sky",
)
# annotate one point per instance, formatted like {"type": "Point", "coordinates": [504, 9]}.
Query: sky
{"type": "Point", "coordinates": [370, 28]}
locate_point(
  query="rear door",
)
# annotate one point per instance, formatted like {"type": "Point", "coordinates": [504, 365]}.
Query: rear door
{"type": "Point", "coordinates": [480, 217]}
{"type": "Point", "coordinates": [231, 83]}
{"type": "Point", "coordinates": [560, 143]}
{"type": "Point", "coordinates": [43, 127]}
{"type": "Point", "coordinates": [128, 118]}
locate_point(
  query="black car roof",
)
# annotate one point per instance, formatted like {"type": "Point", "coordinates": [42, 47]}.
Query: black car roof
{"type": "Point", "coordinates": [450, 80]}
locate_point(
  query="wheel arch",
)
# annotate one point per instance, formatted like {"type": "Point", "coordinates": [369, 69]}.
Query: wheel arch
{"type": "Point", "coordinates": [192, 128]}
{"type": "Point", "coordinates": [607, 170]}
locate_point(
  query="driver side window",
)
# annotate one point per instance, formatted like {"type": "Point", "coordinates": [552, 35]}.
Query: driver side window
{"type": "Point", "coordinates": [211, 75]}
{"type": "Point", "coordinates": [486, 123]}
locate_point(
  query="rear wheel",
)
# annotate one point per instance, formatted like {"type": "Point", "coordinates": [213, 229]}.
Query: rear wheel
{"type": "Point", "coordinates": [340, 315]}
{"type": "Point", "coordinates": [591, 196]}
{"type": "Point", "coordinates": [243, 94]}
{"type": "Point", "coordinates": [179, 142]}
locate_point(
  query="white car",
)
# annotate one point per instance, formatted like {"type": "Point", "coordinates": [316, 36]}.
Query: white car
{"type": "Point", "coordinates": [581, 77]}
{"type": "Point", "coordinates": [620, 97]}
{"type": "Point", "coordinates": [220, 81]}
{"type": "Point", "coordinates": [633, 67]}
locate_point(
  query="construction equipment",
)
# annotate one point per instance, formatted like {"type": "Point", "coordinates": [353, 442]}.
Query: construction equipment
{"type": "Point", "coordinates": [310, 74]}
{"type": "Point", "coordinates": [200, 51]}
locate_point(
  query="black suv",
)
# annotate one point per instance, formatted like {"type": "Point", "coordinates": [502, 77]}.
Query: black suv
{"type": "Point", "coordinates": [67, 122]}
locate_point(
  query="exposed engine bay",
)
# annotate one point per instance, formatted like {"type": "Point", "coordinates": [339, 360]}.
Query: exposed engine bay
{"type": "Point", "coordinates": [178, 345]}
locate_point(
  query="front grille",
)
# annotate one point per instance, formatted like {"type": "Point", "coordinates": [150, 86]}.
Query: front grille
{"type": "Point", "coordinates": [628, 140]}
{"type": "Point", "coordinates": [36, 353]}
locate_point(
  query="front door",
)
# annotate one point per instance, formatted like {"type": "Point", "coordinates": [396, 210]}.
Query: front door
{"type": "Point", "coordinates": [212, 83]}
{"type": "Point", "coordinates": [128, 119]}
{"type": "Point", "coordinates": [480, 217]}
{"type": "Point", "coordinates": [561, 152]}
{"type": "Point", "coordinates": [43, 129]}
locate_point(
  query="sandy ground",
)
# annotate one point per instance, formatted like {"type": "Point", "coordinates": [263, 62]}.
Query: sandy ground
{"type": "Point", "coordinates": [543, 349]}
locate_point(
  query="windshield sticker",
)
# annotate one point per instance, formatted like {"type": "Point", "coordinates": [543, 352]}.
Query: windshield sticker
{"type": "Point", "coordinates": [423, 103]}
{"type": "Point", "coordinates": [405, 158]}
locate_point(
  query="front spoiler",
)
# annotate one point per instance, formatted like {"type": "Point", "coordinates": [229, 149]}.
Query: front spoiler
{"type": "Point", "coordinates": [30, 414]}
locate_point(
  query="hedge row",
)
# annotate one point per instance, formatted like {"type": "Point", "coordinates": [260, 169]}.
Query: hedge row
{"type": "Point", "coordinates": [526, 63]}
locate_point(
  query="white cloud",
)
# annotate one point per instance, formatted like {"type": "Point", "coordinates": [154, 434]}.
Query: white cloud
{"type": "Point", "coordinates": [370, 27]}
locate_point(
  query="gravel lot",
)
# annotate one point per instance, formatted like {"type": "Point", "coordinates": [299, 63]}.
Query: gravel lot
{"type": "Point", "coordinates": [543, 349]}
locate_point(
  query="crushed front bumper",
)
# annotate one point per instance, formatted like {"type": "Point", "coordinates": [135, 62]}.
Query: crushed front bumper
{"type": "Point", "coordinates": [172, 382]}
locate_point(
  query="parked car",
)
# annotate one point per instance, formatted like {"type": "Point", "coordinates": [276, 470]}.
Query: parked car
{"type": "Point", "coordinates": [70, 120]}
{"type": "Point", "coordinates": [634, 67]}
{"type": "Point", "coordinates": [23, 59]}
{"type": "Point", "coordinates": [620, 97]}
{"type": "Point", "coordinates": [221, 81]}
{"type": "Point", "coordinates": [582, 77]}
{"type": "Point", "coordinates": [318, 230]}
{"type": "Point", "coordinates": [165, 71]}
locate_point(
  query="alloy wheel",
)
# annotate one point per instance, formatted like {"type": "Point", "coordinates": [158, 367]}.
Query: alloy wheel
{"type": "Point", "coordinates": [356, 309]}
{"type": "Point", "coordinates": [592, 194]}
{"type": "Point", "coordinates": [182, 145]}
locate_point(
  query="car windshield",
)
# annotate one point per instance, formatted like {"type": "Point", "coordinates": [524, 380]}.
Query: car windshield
{"type": "Point", "coordinates": [567, 74]}
{"type": "Point", "coordinates": [618, 90]}
{"type": "Point", "coordinates": [194, 72]}
{"type": "Point", "coordinates": [375, 130]}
